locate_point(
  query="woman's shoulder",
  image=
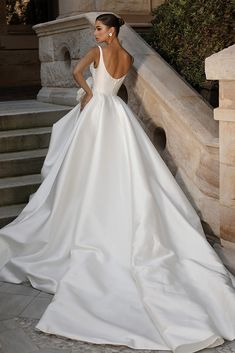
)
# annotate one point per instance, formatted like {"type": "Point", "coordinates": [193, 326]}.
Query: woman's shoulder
{"type": "Point", "coordinates": [93, 50]}
{"type": "Point", "coordinates": [93, 54]}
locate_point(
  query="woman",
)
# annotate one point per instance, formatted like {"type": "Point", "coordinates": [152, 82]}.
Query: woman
{"type": "Point", "coordinates": [110, 232]}
{"type": "Point", "coordinates": [117, 60]}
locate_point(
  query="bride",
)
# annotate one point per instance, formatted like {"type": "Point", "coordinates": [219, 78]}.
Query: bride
{"type": "Point", "coordinates": [110, 232]}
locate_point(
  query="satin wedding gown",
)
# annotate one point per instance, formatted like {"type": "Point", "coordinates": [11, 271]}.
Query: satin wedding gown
{"type": "Point", "coordinates": [112, 235]}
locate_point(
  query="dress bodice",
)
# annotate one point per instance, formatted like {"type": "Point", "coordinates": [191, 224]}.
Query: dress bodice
{"type": "Point", "coordinates": [103, 82]}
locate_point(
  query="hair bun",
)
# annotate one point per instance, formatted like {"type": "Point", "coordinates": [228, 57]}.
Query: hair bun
{"type": "Point", "coordinates": [121, 21]}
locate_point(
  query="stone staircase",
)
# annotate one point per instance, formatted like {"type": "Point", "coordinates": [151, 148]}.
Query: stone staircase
{"type": "Point", "coordinates": [25, 129]}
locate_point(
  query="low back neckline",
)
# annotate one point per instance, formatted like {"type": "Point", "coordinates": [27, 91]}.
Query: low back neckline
{"type": "Point", "coordinates": [102, 60]}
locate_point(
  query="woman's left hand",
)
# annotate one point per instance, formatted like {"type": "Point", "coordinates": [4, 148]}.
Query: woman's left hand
{"type": "Point", "coordinates": [85, 100]}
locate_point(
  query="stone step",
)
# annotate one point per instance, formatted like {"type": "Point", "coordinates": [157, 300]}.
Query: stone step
{"type": "Point", "coordinates": [15, 190]}
{"type": "Point", "coordinates": [25, 130]}
{"type": "Point", "coordinates": [22, 163]}
{"type": "Point", "coordinates": [29, 120]}
{"type": "Point", "coordinates": [29, 113]}
{"type": "Point", "coordinates": [9, 213]}
{"type": "Point", "coordinates": [24, 139]}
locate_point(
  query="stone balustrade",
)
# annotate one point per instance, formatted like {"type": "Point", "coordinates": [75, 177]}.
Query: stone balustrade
{"type": "Point", "coordinates": [220, 66]}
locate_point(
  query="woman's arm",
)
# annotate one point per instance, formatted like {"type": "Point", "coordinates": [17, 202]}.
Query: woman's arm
{"type": "Point", "coordinates": [83, 63]}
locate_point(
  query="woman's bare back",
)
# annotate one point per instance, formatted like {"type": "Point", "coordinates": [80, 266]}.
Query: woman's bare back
{"type": "Point", "coordinates": [117, 61]}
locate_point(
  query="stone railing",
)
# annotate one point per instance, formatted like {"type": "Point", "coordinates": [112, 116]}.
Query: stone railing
{"type": "Point", "coordinates": [176, 118]}
{"type": "Point", "coordinates": [220, 66]}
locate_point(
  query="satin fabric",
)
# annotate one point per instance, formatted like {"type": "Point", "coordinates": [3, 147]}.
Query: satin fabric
{"type": "Point", "coordinates": [112, 235]}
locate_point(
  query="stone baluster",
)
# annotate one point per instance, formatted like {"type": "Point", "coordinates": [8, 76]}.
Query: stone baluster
{"type": "Point", "coordinates": [220, 66]}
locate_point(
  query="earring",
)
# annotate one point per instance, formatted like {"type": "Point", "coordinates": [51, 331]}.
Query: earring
{"type": "Point", "coordinates": [110, 34]}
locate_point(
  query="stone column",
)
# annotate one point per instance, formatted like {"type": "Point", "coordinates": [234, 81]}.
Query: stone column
{"type": "Point", "coordinates": [220, 66]}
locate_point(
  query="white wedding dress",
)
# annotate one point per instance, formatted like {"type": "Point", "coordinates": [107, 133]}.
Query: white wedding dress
{"type": "Point", "coordinates": [111, 233]}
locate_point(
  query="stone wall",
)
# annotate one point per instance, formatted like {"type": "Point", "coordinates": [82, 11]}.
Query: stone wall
{"type": "Point", "coordinates": [177, 120]}
{"type": "Point", "coordinates": [20, 65]}
{"type": "Point", "coordinates": [18, 54]}
{"type": "Point", "coordinates": [63, 44]}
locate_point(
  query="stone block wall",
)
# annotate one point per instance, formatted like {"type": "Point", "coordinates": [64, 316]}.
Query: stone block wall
{"type": "Point", "coordinates": [19, 63]}
{"type": "Point", "coordinates": [59, 51]}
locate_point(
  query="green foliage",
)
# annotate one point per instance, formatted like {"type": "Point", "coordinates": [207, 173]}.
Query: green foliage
{"type": "Point", "coordinates": [185, 32]}
{"type": "Point", "coordinates": [26, 11]}
{"type": "Point", "coordinates": [14, 11]}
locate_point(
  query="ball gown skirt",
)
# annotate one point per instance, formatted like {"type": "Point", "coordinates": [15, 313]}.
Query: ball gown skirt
{"type": "Point", "coordinates": [111, 234]}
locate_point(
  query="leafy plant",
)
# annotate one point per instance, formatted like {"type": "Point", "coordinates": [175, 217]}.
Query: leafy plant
{"type": "Point", "coordinates": [185, 32]}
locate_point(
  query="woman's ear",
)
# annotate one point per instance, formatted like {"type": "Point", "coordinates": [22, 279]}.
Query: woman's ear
{"type": "Point", "coordinates": [112, 30]}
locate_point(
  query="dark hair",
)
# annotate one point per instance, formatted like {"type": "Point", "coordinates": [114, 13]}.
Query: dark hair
{"type": "Point", "coordinates": [110, 20]}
